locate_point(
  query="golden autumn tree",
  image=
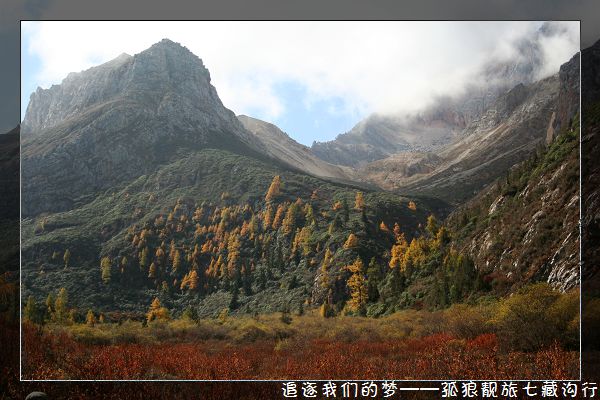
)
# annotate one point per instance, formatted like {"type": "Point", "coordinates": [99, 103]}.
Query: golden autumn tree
{"type": "Point", "coordinates": [253, 226]}
{"type": "Point", "coordinates": [383, 227]}
{"type": "Point", "coordinates": [357, 285]}
{"type": "Point", "coordinates": [359, 201]}
{"type": "Point", "coordinates": [60, 305]}
{"type": "Point", "coordinates": [267, 217]}
{"type": "Point", "coordinates": [50, 305]}
{"type": "Point", "coordinates": [198, 214]}
{"type": "Point", "coordinates": [157, 312]}
{"type": "Point", "coordinates": [225, 196]}
{"type": "Point", "coordinates": [432, 226]}
{"type": "Point", "coordinates": [398, 251]}
{"type": "Point", "coordinates": [105, 269]}
{"type": "Point", "coordinates": [176, 261]}
{"type": "Point", "coordinates": [415, 255]}
{"type": "Point", "coordinates": [124, 263]}
{"type": "Point", "coordinates": [32, 312]}
{"type": "Point", "coordinates": [278, 217]}
{"type": "Point", "coordinates": [90, 318]}
{"type": "Point", "coordinates": [325, 280]}
{"type": "Point", "coordinates": [309, 214]}
{"type": "Point", "coordinates": [233, 254]}
{"type": "Point", "coordinates": [159, 255]}
{"type": "Point", "coordinates": [196, 252]}
{"type": "Point", "coordinates": [351, 242]}
{"type": "Point", "coordinates": [193, 280]}
{"type": "Point", "coordinates": [337, 206]}
{"type": "Point", "coordinates": [185, 282]}
{"type": "Point", "coordinates": [442, 237]}
{"type": "Point", "coordinates": [220, 267]}
{"type": "Point", "coordinates": [291, 218]}
{"type": "Point", "coordinates": [152, 271]}
{"type": "Point", "coordinates": [304, 240]}
{"type": "Point", "coordinates": [274, 189]}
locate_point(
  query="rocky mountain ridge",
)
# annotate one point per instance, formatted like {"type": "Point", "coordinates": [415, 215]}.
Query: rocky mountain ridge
{"type": "Point", "coordinates": [120, 120]}
{"type": "Point", "coordinates": [280, 146]}
{"type": "Point", "coordinates": [506, 134]}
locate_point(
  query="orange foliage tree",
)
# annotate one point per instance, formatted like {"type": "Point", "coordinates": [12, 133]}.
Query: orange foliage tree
{"type": "Point", "coordinates": [274, 189]}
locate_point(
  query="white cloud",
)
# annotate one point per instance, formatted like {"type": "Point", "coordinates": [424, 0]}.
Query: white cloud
{"type": "Point", "coordinates": [372, 66]}
{"type": "Point", "coordinates": [558, 48]}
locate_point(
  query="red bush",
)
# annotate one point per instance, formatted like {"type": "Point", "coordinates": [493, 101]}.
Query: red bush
{"type": "Point", "coordinates": [439, 356]}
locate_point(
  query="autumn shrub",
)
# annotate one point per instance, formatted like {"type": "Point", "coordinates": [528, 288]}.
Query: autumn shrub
{"type": "Point", "coordinates": [91, 335]}
{"type": "Point", "coordinates": [564, 316]}
{"type": "Point", "coordinates": [534, 318]}
{"type": "Point", "coordinates": [249, 330]}
{"type": "Point", "coordinates": [469, 321]}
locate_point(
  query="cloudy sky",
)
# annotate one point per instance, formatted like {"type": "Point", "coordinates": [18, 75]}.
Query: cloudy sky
{"type": "Point", "coordinates": [312, 79]}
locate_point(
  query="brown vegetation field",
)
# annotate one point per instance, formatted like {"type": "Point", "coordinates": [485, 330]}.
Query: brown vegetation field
{"type": "Point", "coordinates": [462, 342]}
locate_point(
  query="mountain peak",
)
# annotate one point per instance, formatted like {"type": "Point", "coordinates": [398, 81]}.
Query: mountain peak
{"type": "Point", "coordinates": [164, 71]}
{"type": "Point", "coordinates": [170, 48]}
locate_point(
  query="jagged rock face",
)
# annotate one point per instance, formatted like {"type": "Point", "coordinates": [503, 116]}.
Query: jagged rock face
{"type": "Point", "coordinates": [77, 92]}
{"type": "Point", "coordinates": [590, 148]}
{"type": "Point", "coordinates": [118, 121]}
{"type": "Point", "coordinates": [568, 97]}
{"type": "Point", "coordinates": [544, 215]}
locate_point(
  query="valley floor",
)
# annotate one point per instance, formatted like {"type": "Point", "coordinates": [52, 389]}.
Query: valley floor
{"type": "Point", "coordinates": [414, 345]}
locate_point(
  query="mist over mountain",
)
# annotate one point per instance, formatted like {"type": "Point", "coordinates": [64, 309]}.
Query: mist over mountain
{"type": "Point", "coordinates": [506, 134]}
{"type": "Point", "coordinates": [380, 135]}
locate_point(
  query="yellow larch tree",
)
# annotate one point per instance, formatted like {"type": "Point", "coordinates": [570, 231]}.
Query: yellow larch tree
{"type": "Point", "coordinates": [359, 201]}
{"type": "Point", "coordinates": [357, 285]}
{"type": "Point", "coordinates": [351, 242]}
{"type": "Point", "coordinates": [278, 217]}
{"type": "Point", "coordinates": [274, 189]}
{"type": "Point", "coordinates": [157, 312]}
{"type": "Point", "coordinates": [398, 251]}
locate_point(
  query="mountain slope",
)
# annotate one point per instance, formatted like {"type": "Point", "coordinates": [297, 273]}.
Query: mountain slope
{"type": "Point", "coordinates": [506, 134]}
{"type": "Point", "coordinates": [106, 227]}
{"type": "Point", "coordinates": [379, 136]}
{"type": "Point", "coordinates": [525, 227]}
{"type": "Point", "coordinates": [127, 164]}
{"type": "Point", "coordinates": [590, 148]}
{"type": "Point", "coordinates": [280, 146]}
